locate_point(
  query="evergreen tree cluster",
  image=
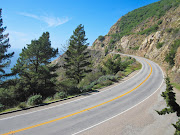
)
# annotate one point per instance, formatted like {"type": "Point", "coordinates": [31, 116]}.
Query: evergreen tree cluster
{"type": "Point", "coordinates": [36, 76]}
{"type": "Point", "coordinates": [34, 69]}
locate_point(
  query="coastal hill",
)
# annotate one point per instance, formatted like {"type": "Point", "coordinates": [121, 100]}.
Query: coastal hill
{"type": "Point", "coordinates": [151, 31]}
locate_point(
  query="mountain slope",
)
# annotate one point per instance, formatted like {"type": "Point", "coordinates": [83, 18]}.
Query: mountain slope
{"type": "Point", "coordinates": [151, 31]}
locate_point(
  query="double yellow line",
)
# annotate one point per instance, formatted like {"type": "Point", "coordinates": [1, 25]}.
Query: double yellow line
{"type": "Point", "coordinates": [44, 123]}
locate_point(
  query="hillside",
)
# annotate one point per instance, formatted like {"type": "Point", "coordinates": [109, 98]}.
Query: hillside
{"type": "Point", "coordinates": [151, 31]}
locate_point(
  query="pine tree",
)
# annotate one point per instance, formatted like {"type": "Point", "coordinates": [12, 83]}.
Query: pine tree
{"type": "Point", "coordinates": [4, 56]}
{"type": "Point", "coordinates": [172, 106]}
{"type": "Point", "coordinates": [34, 68]}
{"type": "Point", "coordinates": [77, 56]}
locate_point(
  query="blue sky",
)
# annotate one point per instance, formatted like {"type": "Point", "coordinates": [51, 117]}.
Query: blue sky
{"type": "Point", "coordinates": [28, 19]}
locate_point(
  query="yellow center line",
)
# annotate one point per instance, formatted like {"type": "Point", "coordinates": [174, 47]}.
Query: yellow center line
{"type": "Point", "coordinates": [47, 122]}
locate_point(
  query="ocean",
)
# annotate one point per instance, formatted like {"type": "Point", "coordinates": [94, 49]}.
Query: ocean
{"type": "Point", "coordinates": [15, 58]}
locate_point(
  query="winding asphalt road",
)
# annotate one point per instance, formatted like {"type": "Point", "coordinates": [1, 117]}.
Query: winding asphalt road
{"type": "Point", "coordinates": [78, 115]}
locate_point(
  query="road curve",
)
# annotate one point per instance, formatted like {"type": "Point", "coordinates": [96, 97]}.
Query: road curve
{"type": "Point", "coordinates": [74, 117]}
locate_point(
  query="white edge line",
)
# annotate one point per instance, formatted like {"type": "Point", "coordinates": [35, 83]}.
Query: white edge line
{"type": "Point", "coordinates": [125, 110]}
{"type": "Point", "coordinates": [75, 100]}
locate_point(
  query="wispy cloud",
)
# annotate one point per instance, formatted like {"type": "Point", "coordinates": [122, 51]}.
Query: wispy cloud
{"type": "Point", "coordinates": [29, 15]}
{"type": "Point", "coordinates": [51, 21]}
{"type": "Point", "coordinates": [54, 21]}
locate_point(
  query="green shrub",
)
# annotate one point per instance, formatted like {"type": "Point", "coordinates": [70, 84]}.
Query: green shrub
{"type": "Point", "coordinates": [8, 97]}
{"type": "Point", "coordinates": [159, 22]}
{"type": "Point", "coordinates": [102, 45]}
{"type": "Point", "coordinates": [111, 44]}
{"type": "Point", "coordinates": [60, 95]}
{"type": "Point", "coordinates": [87, 87]}
{"type": "Point", "coordinates": [89, 78]}
{"type": "Point", "coordinates": [106, 51]}
{"type": "Point", "coordinates": [175, 31]}
{"type": "Point", "coordinates": [107, 77]}
{"type": "Point", "coordinates": [125, 64]}
{"type": "Point", "coordinates": [102, 84]}
{"type": "Point", "coordinates": [22, 105]}
{"type": "Point", "coordinates": [119, 50]}
{"type": "Point", "coordinates": [128, 70]}
{"type": "Point", "coordinates": [1, 107]}
{"type": "Point", "coordinates": [116, 56]}
{"type": "Point", "coordinates": [169, 30]}
{"type": "Point", "coordinates": [113, 78]}
{"type": "Point", "coordinates": [106, 83]}
{"type": "Point", "coordinates": [97, 86]}
{"type": "Point", "coordinates": [111, 47]}
{"type": "Point", "coordinates": [90, 86]}
{"type": "Point", "coordinates": [120, 74]}
{"type": "Point", "coordinates": [133, 60]}
{"type": "Point", "coordinates": [111, 66]}
{"type": "Point", "coordinates": [172, 53]}
{"type": "Point", "coordinates": [102, 81]}
{"type": "Point", "coordinates": [136, 66]}
{"type": "Point", "coordinates": [135, 48]}
{"type": "Point", "coordinates": [116, 36]}
{"type": "Point", "coordinates": [48, 99]}
{"type": "Point", "coordinates": [111, 41]}
{"type": "Point", "coordinates": [101, 38]}
{"type": "Point", "coordinates": [159, 45]}
{"type": "Point", "coordinates": [172, 30]}
{"type": "Point", "coordinates": [150, 30]}
{"type": "Point", "coordinates": [34, 100]}
{"type": "Point", "coordinates": [176, 85]}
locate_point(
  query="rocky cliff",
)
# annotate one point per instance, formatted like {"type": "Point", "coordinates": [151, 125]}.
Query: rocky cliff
{"type": "Point", "coordinates": [152, 36]}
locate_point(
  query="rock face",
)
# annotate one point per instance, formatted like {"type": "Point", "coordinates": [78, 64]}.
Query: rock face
{"type": "Point", "coordinates": [100, 45]}
{"type": "Point", "coordinates": [146, 45]}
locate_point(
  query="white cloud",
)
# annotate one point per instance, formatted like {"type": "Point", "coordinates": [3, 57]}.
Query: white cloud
{"type": "Point", "coordinates": [51, 21]}
{"type": "Point", "coordinates": [54, 21]}
{"type": "Point", "coordinates": [29, 15]}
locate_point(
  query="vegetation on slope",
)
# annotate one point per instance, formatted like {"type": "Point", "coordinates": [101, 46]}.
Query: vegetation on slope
{"type": "Point", "coordinates": [134, 18]}
{"type": "Point", "coordinates": [148, 31]}
{"type": "Point", "coordinates": [112, 68]}
{"type": "Point", "coordinates": [159, 45]}
{"type": "Point", "coordinates": [172, 53]}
